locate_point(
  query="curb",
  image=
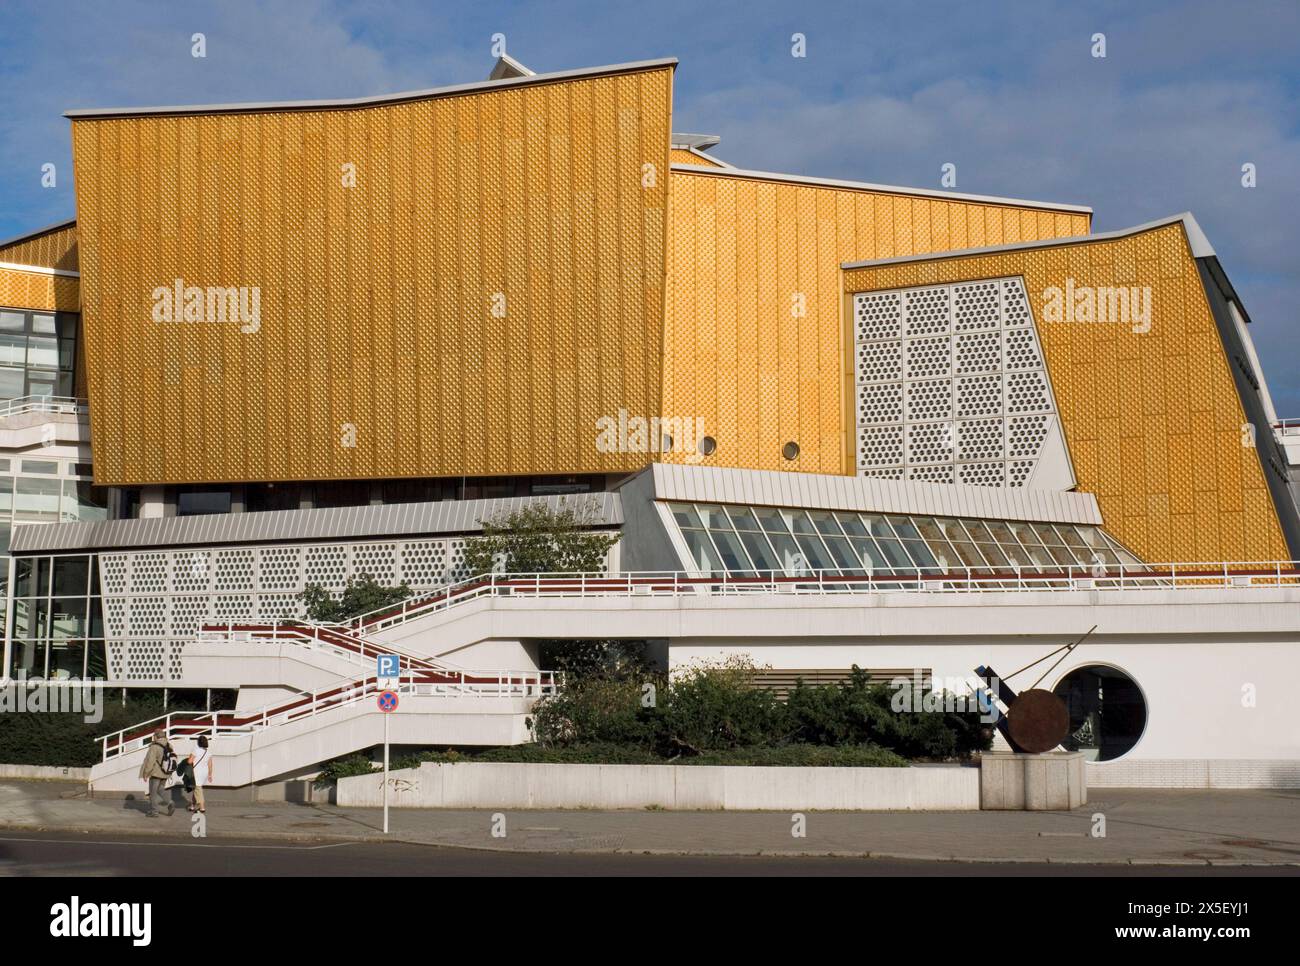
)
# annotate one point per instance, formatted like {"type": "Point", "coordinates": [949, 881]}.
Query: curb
{"type": "Point", "coordinates": [379, 837]}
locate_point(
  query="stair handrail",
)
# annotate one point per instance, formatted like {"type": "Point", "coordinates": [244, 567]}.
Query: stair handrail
{"type": "Point", "coordinates": [525, 683]}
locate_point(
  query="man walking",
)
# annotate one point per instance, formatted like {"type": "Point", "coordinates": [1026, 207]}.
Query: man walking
{"type": "Point", "coordinates": [153, 771]}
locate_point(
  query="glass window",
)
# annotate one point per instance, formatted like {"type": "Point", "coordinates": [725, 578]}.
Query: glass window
{"type": "Point", "coordinates": [852, 524]}
{"type": "Point", "coordinates": [771, 520]}
{"type": "Point", "coordinates": [742, 518]}
{"type": "Point", "coordinates": [869, 555]}
{"type": "Point", "coordinates": [1108, 713]}
{"type": "Point", "coordinates": [733, 554]}
{"type": "Point", "coordinates": [41, 466]}
{"type": "Point", "coordinates": [43, 352]}
{"type": "Point", "coordinates": [36, 499]}
{"type": "Point", "coordinates": [703, 557]}
{"type": "Point", "coordinates": [191, 503]}
{"type": "Point", "coordinates": [760, 552]}
{"type": "Point", "coordinates": [13, 322]}
{"type": "Point", "coordinates": [685, 515]}
{"type": "Point", "coordinates": [879, 526]}
{"type": "Point", "coordinates": [920, 552]}
{"type": "Point", "coordinates": [70, 576]}
{"type": "Point", "coordinates": [43, 324]}
{"type": "Point", "coordinates": [713, 516]}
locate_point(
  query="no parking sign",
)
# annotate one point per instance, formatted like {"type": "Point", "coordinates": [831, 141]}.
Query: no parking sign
{"type": "Point", "coordinates": [387, 701]}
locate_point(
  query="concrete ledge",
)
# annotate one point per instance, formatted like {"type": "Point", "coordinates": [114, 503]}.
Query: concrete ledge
{"type": "Point", "coordinates": [1055, 781]}
{"type": "Point", "coordinates": [674, 787]}
{"type": "Point", "coordinates": [1195, 773]}
{"type": "Point", "coordinates": [47, 773]}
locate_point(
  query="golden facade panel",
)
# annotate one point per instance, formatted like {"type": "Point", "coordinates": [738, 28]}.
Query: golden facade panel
{"type": "Point", "coordinates": [682, 156]}
{"type": "Point", "coordinates": [21, 289]}
{"type": "Point", "coordinates": [1151, 415]}
{"type": "Point", "coordinates": [487, 287]}
{"type": "Point", "coordinates": [753, 341]}
{"type": "Point", "coordinates": [56, 248]}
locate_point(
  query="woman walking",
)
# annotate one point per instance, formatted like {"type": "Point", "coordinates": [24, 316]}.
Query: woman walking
{"type": "Point", "coordinates": [200, 774]}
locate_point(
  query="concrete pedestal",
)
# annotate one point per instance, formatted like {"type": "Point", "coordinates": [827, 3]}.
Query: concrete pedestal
{"type": "Point", "coordinates": [1055, 781]}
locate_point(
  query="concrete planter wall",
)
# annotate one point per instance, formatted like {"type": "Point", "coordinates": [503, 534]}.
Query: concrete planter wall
{"type": "Point", "coordinates": [501, 785]}
{"type": "Point", "coordinates": [45, 773]}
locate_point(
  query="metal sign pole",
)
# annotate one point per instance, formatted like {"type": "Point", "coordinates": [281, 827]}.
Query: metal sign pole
{"type": "Point", "coordinates": [386, 717]}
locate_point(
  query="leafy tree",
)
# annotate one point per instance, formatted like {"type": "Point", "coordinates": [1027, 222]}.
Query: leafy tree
{"type": "Point", "coordinates": [361, 595]}
{"type": "Point", "coordinates": [539, 538]}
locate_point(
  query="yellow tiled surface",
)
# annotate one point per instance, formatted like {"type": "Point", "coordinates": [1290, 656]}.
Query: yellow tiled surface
{"type": "Point", "coordinates": [1153, 421]}
{"type": "Point", "coordinates": [679, 156]}
{"type": "Point", "coordinates": [54, 249]}
{"type": "Point", "coordinates": [376, 300]}
{"type": "Point", "coordinates": [38, 290]}
{"type": "Point", "coordinates": [741, 250]}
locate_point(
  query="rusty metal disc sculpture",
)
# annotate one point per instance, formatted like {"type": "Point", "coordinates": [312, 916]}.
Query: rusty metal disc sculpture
{"type": "Point", "coordinates": [1038, 720]}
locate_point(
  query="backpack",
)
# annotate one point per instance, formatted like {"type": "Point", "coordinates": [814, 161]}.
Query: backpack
{"type": "Point", "coordinates": [168, 760]}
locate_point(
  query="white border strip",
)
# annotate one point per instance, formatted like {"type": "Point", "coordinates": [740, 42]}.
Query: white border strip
{"type": "Point", "coordinates": [1200, 245]}
{"type": "Point", "coordinates": [889, 189]}
{"type": "Point", "coordinates": [38, 270]}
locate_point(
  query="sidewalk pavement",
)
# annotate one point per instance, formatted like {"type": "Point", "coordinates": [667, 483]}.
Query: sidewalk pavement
{"type": "Point", "coordinates": [1142, 827]}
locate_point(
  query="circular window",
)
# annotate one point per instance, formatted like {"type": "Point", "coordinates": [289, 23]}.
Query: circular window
{"type": "Point", "coordinates": [707, 445]}
{"type": "Point", "coordinates": [790, 450]}
{"type": "Point", "coordinates": [1107, 711]}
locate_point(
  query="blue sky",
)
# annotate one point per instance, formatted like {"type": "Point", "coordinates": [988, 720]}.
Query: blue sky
{"type": "Point", "coordinates": [888, 92]}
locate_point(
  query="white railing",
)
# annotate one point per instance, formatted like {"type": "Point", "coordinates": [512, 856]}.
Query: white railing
{"type": "Point", "coordinates": [339, 640]}
{"type": "Point", "coordinates": [43, 404]}
{"type": "Point", "coordinates": [1288, 427]}
{"type": "Point", "coordinates": [1185, 575]}
{"type": "Point", "coordinates": [191, 724]}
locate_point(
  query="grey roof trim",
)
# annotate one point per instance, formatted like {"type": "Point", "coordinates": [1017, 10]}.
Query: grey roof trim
{"type": "Point", "coordinates": [507, 66]}
{"type": "Point", "coordinates": [713, 484]}
{"type": "Point", "coordinates": [283, 526]}
{"type": "Point", "coordinates": [703, 142]}
{"type": "Point", "coordinates": [1200, 245]}
{"type": "Point", "coordinates": [712, 160]}
{"type": "Point", "coordinates": [37, 233]}
{"type": "Point", "coordinates": [356, 102]}
{"type": "Point", "coordinates": [889, 189]}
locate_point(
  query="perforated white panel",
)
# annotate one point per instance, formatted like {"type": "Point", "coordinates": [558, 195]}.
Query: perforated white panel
{"type": "Point", "coordinates": [154, 600]}
{"type": "Point", "coordinates": [951, 384]}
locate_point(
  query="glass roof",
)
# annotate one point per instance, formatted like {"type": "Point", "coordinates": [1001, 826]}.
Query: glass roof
{"type": "Point", "coordinates": [754, 541]}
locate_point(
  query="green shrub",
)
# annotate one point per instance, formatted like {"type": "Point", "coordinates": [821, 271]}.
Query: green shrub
{"type": "Point", "coordinates": [67, 740]}
{"type": "Point", "coordinates": [348, 766]}
{"type": "Point", "coordinates": [716, 706]}
{"type": "Point", "coordinates": [599, 709]}
{"type": "Point", "coordinates": [362, 595]}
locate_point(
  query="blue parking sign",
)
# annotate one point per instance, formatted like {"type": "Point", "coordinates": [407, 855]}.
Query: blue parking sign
{"type": "Point", "coordinates": [387, 666]}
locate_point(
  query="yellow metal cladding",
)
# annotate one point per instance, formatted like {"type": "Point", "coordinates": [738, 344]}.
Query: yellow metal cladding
{"type": "Point", "coordinates": [682, 156]}
{"type": "Point", "coordinates": [52, 249]}
{"type": "Point", "coordinates": [21, 289]}
{"type": "Point", "coordinates": [1152, 419]}
{"type": "Point", "coordinates": [754, 344]}
{"type": "Point", "coordinates": [378, 352]}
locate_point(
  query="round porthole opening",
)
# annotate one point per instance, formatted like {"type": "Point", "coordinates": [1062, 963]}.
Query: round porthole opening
{"type": "Point", "coordinates": [790, 450]}
{"type": "Point", "coordinates": [707, 445]}
{"type": "Point", "coordinates": [1108, 712]}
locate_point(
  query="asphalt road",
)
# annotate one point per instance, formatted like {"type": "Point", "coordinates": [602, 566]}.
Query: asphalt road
{"type": "Point", "coordinates": [64, 854]}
